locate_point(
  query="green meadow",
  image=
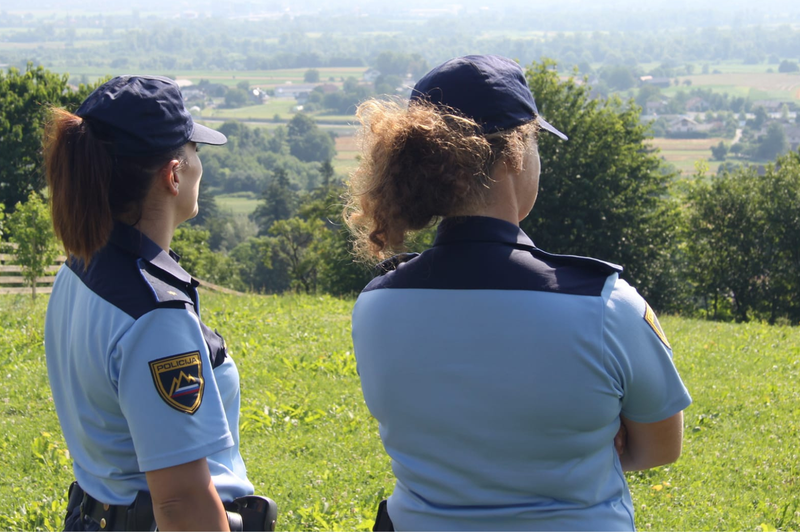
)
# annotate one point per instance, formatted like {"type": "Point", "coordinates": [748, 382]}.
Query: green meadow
{"type": "Point", "coordinates": [310, 443]}
{"type": "Point", "coordinates": [237, 203]}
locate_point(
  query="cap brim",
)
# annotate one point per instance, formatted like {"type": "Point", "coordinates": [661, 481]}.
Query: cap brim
{"type": "Point", "coordinates": [544, 124]}
{"type": "Point", "coordinates": [205, 135]}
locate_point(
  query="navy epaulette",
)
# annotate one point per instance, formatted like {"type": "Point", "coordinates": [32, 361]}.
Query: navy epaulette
{"type": "Point", "coordinates": [163, 291]}
{"type": "Point", "coordinates": [392, 263]}
{"type": "Point", "coordinates": [575, 260]}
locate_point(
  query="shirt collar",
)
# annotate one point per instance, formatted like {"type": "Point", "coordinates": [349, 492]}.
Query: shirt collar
{"type": "Point", "coordinates": [134, 241]}
{"type": "Point", "coordinates": [480, 229]}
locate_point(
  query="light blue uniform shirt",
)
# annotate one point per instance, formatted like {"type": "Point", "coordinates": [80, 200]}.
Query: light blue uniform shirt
{"type": "Point", "coordinates": [498, 373]}
{"type": "Point", "coordinates": [139, 383]}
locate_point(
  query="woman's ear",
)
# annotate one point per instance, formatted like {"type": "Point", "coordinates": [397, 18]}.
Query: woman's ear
{"type": "Point", "coordinates": [170, 178]}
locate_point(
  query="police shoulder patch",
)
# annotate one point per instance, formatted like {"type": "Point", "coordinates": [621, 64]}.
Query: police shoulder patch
{"type": "Point", "coordinates": [652, 321]}
{"type": "Point", "coordinates": [179, 380]}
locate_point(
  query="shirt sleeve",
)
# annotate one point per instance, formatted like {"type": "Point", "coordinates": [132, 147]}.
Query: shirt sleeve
{"type": "Point", "coordinates": [168, 392]}
{"type": "Point", "coordinates": [639, 357]}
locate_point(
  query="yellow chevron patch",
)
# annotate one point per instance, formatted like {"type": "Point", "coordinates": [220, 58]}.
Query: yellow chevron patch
{"type": "Point", "coordinates": [652, 321]}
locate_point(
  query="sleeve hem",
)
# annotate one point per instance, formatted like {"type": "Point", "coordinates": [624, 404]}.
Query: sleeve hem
{"type": "Point", "coordinates": [185, 456]}
{"type": "Point", "coordinates": [670, 410]}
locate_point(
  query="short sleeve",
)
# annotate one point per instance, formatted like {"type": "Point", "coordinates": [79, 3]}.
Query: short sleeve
{"type": "Point", "coordinates": [168, 392]}
{"type": "Point", "coordinates": [639, 358]}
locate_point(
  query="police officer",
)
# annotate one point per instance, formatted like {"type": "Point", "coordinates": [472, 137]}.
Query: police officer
{"type": "Point", "coordinates": [146, 394]}
{"type": "Point", "coordinates": [512, 386]}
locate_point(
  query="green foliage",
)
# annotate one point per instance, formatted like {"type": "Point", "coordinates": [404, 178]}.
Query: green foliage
{"type": "Point", "coordinates": [603, 192]}
{"type": "Point", "coordinates": [742, 241]}
{"type": "Point", "coordinates": [32, 231]}
{"type": "Point", "coordinates": [719, 151]}
{"type": "Point", "coordinates": [722, 240]}
{"type": "Point", "coordinates": [311, 75]}
{"type": "Point", "coordinates": [307, 142]}
{"type": "Point", "coordinates": [24, 99]}
{"type": "Point", "coordinates": [250, 159]}
{"type": "Point", "coordinates": [278, 202]}
{"type": "Point", "coordinates": [399, 64]}
{"type": "Point", "coordinates": [236, 98]}
{"type": "Point", "coordinates": [774, 142]}
{"type": "Point", "coordinates": [310, 443]}
{"type": "Point", "coordinates": [788, 66]}
{"type": "Point", "coordinates": [295, 242]}
{"type": "Point", "coordinates": [191, 244]}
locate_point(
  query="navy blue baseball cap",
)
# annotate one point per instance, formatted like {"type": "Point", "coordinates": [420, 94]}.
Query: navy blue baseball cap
{"type": "Point", "coordinates": [144, 115]}
{"type": "Point", "coordinates": [487, 88]}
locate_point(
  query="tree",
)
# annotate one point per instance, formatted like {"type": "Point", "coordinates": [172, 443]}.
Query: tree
{"type": "Point", "coordinates": [207, 208]}
{"type": "Point", "coordinates": [788, 67]}
{"type": "Point", "coordinates": [722, 241]}
{"type": "Point", "coordinates": [32, 231]}
{"type": "Point", "coordinates": [618, 77]}
{"type": "Point", "coordinates": [311, 75]}
{"type": "Point", "coordinates": [719, 151]}
{"type": "Point", "coordinates": [24, 99]}
{"type": "Point", "coordinates": [296, 242]}
{"type": "Point", "coordinates": [307, 142]}
{"type": "Point", "coordinates": [236, 98]}
{"type": "Point", "coordinates": [278, 202]}
{"type": "Point", "coordinates": [603, 193]}
{"type": "Point", "coordinates": [191, 243]}
{"type": "Point", "coordinates": [774, 143]}
{"type": "Point", "coordinates": [761, 116]}
{"type": "Point", "coordinates": [743, 241]}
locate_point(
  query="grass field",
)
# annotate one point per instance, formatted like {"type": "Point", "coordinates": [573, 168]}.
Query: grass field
{"type": "Point", "coordinates": [237, 204]}
{"type": "Point", "coordinates": [310, 443]}
{"type": "Point", "coordinates": [346, 154]}
{"type": "Point", "coordinates": [683, 153]}
{"type": "Point", "coordinates": [752, 85]}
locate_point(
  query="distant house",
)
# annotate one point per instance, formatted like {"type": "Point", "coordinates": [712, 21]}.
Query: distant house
{"type": "Point", "coordinates": [290, 90]}
{"type": "Point", "coordinates": [770, 106]}
{"type": "Point", "coordinates": [697, 105]}
{"type": "Point", "coordinates": [371, 75]}
{"type": "Point", "coordinates": [656, 82]}
{"type": "Point", "coordinates": [258, 95]}
{"type": "Point", "coordinates": [193, 93]}
{"type": "Point", "coordinates": [683, 124]}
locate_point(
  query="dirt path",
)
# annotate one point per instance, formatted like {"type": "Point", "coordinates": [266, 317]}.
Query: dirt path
{"type": "Point", "coordinates": [737, 136]}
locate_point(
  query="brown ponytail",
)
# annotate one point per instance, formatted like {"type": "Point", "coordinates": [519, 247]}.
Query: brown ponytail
{"type": "Point", "coordinates": [78, 168]}
{"type": "Point", "coordinates": [89, 187]}
{"type": "Point", "coordinates": [417, 165]}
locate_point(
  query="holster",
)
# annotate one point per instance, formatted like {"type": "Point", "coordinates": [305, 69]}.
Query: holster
{"type": "Point", "coordinates": [383, 523]}
{"type": "Point", "coordinates": [254, 511]}
{"type": "Point", "coordinates": [249, 513]}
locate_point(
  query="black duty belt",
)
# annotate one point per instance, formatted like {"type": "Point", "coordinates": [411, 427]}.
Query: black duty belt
{"type": "Point", "coordinates": [249, 513]}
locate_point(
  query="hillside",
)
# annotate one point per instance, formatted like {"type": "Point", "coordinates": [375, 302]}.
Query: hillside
{"type": "Point", "coordinates": [310, 443]}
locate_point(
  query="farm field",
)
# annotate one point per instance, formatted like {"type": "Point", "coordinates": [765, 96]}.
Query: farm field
{"type": "Point", "coordinates": [257, 78]}
{"type": "Point", "coordinates": [346, 154]}
{"type": "Point", "coordinates": [310, 443]}
{"type": "Point", "coordinates": [752, 85]}
{"type": "Point", "coordinates": [284, 108]}
{"type": "Point", "coordinates": [683, 153]}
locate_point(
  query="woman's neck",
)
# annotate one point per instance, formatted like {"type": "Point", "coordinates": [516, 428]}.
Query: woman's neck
{"type": "Point", "coordinates": [159, 232]}
{"type": "Point", "coordinates": [501, 201]}
{"type": "Point", "coordinates": [154, 223]}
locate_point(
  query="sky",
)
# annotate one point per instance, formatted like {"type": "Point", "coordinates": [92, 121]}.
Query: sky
{"type": "Point", "coordinates": [774, 6]}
